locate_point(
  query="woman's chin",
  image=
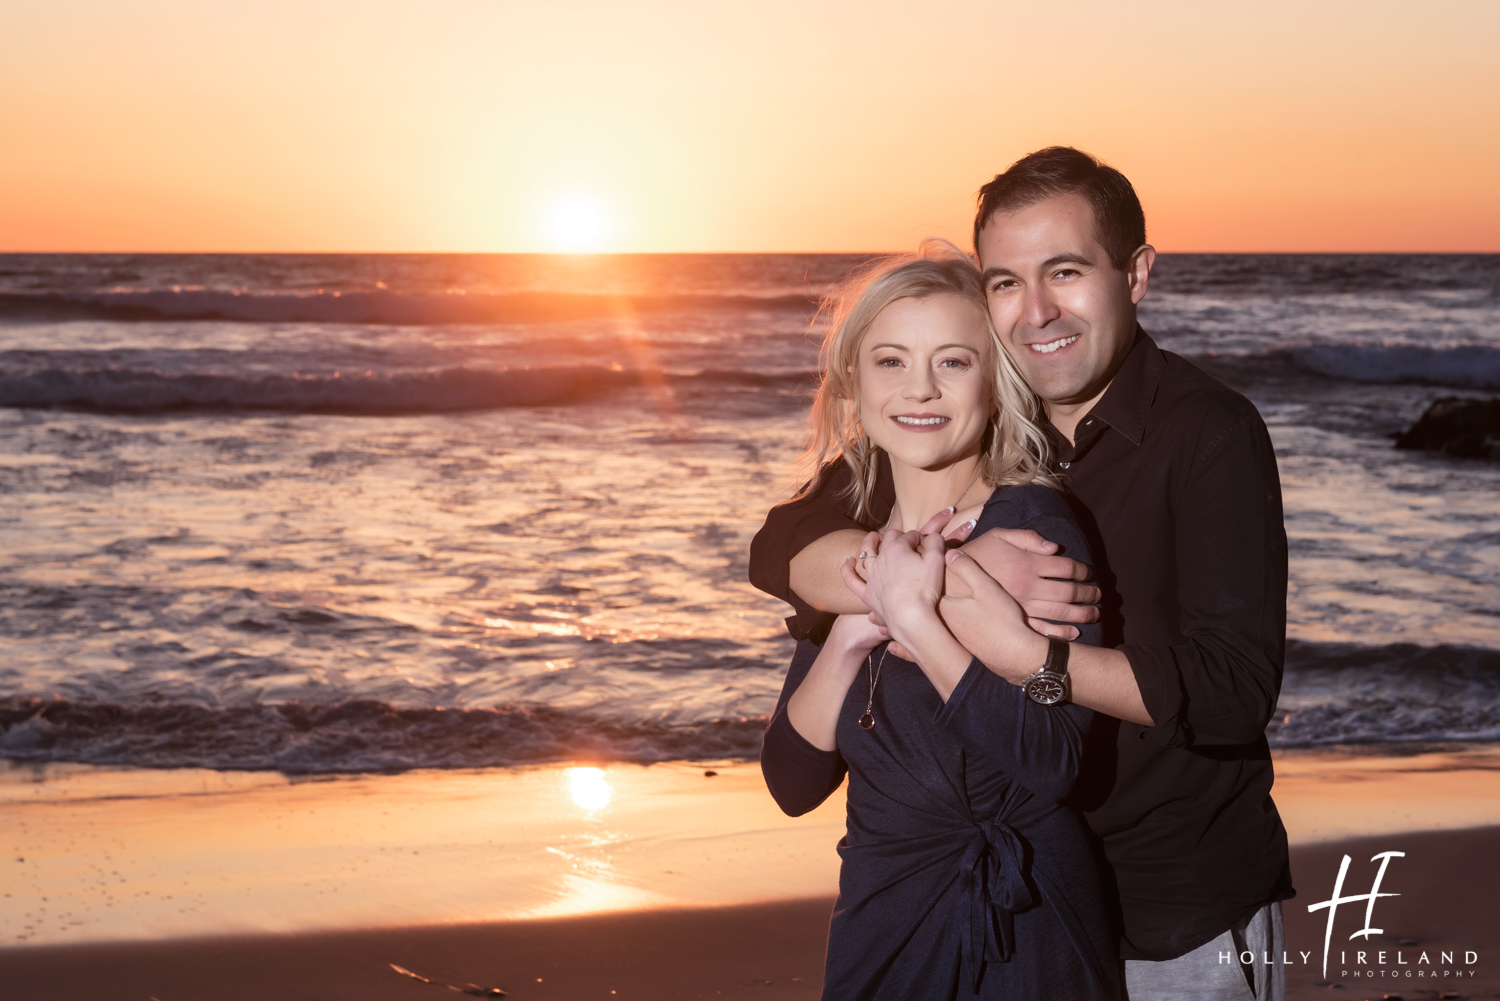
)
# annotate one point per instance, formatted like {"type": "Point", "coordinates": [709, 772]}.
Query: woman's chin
{"type": "Point", "coordinates": [929, 460]}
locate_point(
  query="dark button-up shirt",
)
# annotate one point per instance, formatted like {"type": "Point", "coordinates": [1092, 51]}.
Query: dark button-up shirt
{"type": "Point", "coordinates": [1176, 482]}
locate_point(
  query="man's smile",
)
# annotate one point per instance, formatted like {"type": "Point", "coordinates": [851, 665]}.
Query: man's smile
{"type": "Point", "coordinates": [1051, 346]}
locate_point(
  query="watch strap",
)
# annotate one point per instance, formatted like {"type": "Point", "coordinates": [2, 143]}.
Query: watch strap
{"type": "Point", "coordinates": [1057, 656]}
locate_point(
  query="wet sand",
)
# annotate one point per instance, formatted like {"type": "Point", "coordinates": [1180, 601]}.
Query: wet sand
{"type": "Point", "coordinates": [656, 882]}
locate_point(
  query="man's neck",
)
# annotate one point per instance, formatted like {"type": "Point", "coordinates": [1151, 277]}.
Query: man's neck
{"type": "Point", "coordinates": [1065, 416]}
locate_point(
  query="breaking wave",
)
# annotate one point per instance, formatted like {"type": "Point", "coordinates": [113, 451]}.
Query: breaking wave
{"type": "Point", "coordinates": [1343, 693]}
{"type": "Point", "coordinates": [1468, 367]}
{"type": "Point", "coordinates": [1333, 694]}
{"type": "Point", "coordinates": [356, 736]}
{"type": "Point", "coordinates": [365, 307]}
{"type": "Point", "coordinates": [144, 391]}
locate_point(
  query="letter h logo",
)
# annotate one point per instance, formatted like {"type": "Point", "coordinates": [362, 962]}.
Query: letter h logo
{"type": "Point", "coordinates": [1333, 904]}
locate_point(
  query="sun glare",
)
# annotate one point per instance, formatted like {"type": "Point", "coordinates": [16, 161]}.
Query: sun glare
{"type": "Point", "coordinates": [588, 788]}
{"type": "Point", "coordinates": [577, 225]}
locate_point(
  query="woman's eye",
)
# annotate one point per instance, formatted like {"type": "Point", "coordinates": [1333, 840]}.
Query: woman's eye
{"type": "Point", "coordinates": [954, 363]}
{"type": "Point", "coordinates": [888, 363]}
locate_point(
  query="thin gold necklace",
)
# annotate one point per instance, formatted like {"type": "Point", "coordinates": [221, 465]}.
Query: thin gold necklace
{"type": "Point", "coordinates": [868, 719]}
{"type": "Point", "coordinates": [961, 496]}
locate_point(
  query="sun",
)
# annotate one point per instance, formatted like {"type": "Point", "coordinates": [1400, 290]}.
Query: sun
{"type": "Point", "coordinates": [577, 224]}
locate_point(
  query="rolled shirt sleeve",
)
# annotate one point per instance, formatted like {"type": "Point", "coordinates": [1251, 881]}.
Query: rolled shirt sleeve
{"type": "Point", "coordinates": [793, 525]}
{"type": "Point", "coordinates": [1219, 684]}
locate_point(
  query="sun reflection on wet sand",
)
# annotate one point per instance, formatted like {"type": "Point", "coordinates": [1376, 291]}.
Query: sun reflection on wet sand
{"type": "Point", "coordinates": [588, 788]}
{"type": "Point", "coordinates": [107, 854]}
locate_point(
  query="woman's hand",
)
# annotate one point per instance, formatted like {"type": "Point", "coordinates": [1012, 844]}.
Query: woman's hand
{"type": "Point", "coordinates": [988, 622]}
{"type": "Point", "coordinates": [905, 583]}
{"type": "Point", "coordinates": [856, 634]}
{"type": "Point", "coordinates": [905, 580]}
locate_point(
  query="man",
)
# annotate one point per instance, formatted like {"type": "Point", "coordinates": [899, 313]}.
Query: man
{"type": "Point", "coordinates": [1178, 484]}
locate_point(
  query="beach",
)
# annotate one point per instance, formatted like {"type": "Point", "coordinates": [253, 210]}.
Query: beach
{"type": "Point", "coordinates": [569, 882]}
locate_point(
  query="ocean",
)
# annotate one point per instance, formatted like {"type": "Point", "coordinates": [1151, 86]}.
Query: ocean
{"type": "Point", "coordinates": [331, 513]}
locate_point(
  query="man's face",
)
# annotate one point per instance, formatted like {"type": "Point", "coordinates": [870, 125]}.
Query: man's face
{"type": "Point", "coordinates": [1062, 310]}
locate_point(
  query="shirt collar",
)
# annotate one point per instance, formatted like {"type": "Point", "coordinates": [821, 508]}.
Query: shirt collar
{"type": "Point", "coordinates": [1126, 404]}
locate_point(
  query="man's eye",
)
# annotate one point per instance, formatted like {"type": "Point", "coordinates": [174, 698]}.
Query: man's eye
{"type": "Point", "coordinates": [1066, 273]}
{"type": "Point", "coordinates": [1004, 285]}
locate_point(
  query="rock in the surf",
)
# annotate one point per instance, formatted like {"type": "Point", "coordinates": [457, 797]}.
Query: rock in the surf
{"type": "Point", "coordinates": [1458, 426]}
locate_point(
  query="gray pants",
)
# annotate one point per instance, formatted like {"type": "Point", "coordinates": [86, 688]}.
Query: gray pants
{"type": "Point", "coordinates": [1216, 971]}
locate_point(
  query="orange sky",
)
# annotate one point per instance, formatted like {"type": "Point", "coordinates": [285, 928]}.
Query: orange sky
{"type": "Point", "coordinates": [782, 125]}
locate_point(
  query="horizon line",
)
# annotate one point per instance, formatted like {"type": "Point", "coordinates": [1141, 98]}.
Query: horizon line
{"type": "Point", "coordinates": [689, 253]}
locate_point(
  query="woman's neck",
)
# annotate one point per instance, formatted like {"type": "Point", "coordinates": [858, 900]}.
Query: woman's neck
{"type": "Point", "coordinates": [922, 493]}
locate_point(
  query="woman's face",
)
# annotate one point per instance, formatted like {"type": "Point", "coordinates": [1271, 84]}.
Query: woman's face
{"type": "Point", "coordinates": [921, 377]}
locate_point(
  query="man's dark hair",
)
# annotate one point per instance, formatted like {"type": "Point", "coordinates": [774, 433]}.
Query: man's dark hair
{"type": "Point", "coordinates": [1063, 170]}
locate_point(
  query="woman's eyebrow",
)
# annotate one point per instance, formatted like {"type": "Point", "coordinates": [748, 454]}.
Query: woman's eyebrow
{"type": "Point", "coordinates": [940, 347]}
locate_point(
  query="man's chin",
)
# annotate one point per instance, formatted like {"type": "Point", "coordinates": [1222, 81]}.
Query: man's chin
{"type": "Point", "coordinates": [1058, 390]}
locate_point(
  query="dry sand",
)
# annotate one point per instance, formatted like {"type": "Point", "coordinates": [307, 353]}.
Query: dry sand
{"type": "Point", "coordinates": [653, 882]}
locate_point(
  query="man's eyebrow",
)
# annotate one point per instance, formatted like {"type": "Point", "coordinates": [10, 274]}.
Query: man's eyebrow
{"type": "Point", "coordinates": [997, 271]}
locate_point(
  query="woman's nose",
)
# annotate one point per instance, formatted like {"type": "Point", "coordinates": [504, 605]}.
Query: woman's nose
{"type": "Point", "coordinates": [920, 385]}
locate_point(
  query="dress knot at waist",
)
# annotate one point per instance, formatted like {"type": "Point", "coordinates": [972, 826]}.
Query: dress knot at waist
{"type": "Point", "coordinates": [994, 883]}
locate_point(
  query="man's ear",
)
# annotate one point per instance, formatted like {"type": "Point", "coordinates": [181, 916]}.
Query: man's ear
{"type": "Point", "coordinates": [1138, 271]}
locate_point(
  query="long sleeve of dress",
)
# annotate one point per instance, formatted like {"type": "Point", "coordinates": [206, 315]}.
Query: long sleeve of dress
{"type": "Point", "coordinates": [799, 775]}
{"type": "Point", "coordinates": [1041, 746]}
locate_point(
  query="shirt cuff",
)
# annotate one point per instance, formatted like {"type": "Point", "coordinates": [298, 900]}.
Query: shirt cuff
{"type": "Point", "coordinates": [1160, 682]}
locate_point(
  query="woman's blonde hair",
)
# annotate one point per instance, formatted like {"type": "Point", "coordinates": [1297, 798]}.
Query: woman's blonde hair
{"type": "Point", "coordinates": [1014, 448]}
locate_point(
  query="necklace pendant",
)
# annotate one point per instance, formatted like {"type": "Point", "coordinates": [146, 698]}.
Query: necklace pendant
{"type": "Point", "coordinates": [867, 721]}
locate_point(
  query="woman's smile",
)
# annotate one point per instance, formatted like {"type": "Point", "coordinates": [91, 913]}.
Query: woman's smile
{"type": "Point", "coordinates": [922, 423]}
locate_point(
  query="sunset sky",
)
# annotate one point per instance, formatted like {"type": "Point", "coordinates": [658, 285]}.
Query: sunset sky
{"type": "Point", "coordinates": [781, 125]}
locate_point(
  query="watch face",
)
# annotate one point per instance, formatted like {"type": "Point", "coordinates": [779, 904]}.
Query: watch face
{"type": "Point", "coordinates": [1048, 689]}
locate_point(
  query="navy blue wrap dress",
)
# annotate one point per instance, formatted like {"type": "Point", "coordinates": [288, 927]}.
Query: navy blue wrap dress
{"type": "Point", "coordinates": [964, 873]}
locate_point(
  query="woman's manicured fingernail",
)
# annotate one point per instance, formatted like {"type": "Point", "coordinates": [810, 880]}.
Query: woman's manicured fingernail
{"type": "Point", "coordinates": [950, 509]}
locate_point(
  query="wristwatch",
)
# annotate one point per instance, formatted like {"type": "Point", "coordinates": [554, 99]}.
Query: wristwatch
{"type": "Point", "coordinates": [1051, 686]}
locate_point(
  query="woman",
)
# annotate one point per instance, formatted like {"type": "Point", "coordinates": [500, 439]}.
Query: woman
{"type": "Point", "coordinates": [963, 874]}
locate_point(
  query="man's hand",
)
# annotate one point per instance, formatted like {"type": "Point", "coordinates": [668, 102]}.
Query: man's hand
{"type": "Point", "coordinates": [1022, 562]}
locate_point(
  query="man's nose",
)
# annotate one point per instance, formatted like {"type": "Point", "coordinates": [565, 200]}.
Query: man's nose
{"type": "Point", "coordinates": [1041, 309]}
